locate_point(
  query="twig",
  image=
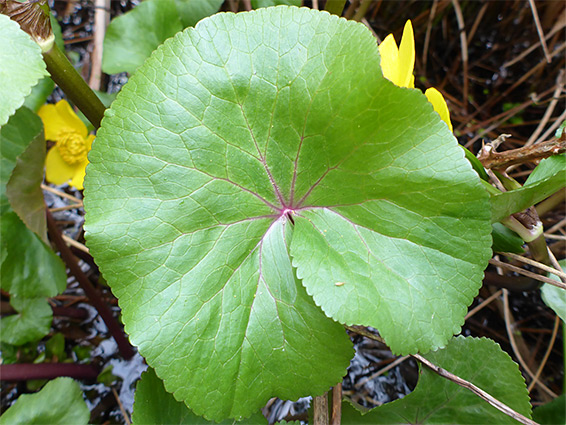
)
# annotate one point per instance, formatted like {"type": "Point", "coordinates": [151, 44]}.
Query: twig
{"type": "Point", "coordinates": [380, 372]}
{"type": "Point", "coordinates": [477, 21]}
{"type": "Point", "coordinates": [427, 34]}
{"type": "Point", "coordinates": [495, 99]}
{"type": "Point", "coordinates": [549, 110]}
{"type": "Point", "coordinates": [553, 260]}
{"type": "Point", "coordinates": [539, 30]}
{"type": "Point", "coordinates": [527, 273]}
{"type": "Point", "coordinates": [547, 354]}
{"type": "Point", "coordinates": [483, 304]}
{"type": "Point", "coordinates": [320, 410]}
{"type": "Point", "coordinates": [75, 243]}
{"type": "Point", "coordinates": [476, 390]}
{"type": "Point", "coordinates": [557, 226]}
{"type": "Point", "coordinates": [101, 20]}
{"type": "Point", "coordinates": [508, 327]}
{"type": "Point", "coordinates": [501, 160]}
{"type": "Point", "coordinates": [336, 415]}
{"type": "Point", "coordinates": [121, 406]}
{"type": "Point", "coordinates": [555, 237]}
{"type": "Point", "coordinates": [456, 379]}
{"type": "Point", "coordinates": [464, 48]}
{"type": "Point", "coordinates": [113, 327]}
{"type": "Point", "coordinates": [66, 207]}
{"type": "Point", "coordinates": [558, 27]}
{"type": "Point", "coordinates": [550, 130]}
{"type": "Point", "coordinates": [61, 194]}
{"type": "Point", "coordinates": [541, 266]}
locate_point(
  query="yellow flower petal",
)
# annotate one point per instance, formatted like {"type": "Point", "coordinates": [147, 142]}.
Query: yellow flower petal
{"type": "Point", "coordinates": [60, 116]}
{"type": "Point", "coordinates": [407, 57]}
{"type": "Point", "coordinates": [439, 105]}
{"type": "Point", "coordinates": [390, 59]}
{"type": "Point", "coordinates": [78, 179]}
{"type": "Point", "coordinates": [57, 171]}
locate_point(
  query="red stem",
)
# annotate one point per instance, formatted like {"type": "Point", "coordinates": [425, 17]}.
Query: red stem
{"type": "Point", "coordinates": [26, 371]}
{"type": "Point", "coordinates": [126, 349]}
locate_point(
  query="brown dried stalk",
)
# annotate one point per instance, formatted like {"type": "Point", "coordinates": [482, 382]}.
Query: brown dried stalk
{"type": "Point", "coordinates": [501, 160]}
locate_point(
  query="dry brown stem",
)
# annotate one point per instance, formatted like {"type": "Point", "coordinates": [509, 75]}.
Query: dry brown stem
{"type": "Point", "coordinates": [501, 160]}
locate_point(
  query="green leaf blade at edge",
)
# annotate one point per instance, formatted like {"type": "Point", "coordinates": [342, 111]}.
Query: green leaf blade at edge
{"type": "Point", "coordinates": [153, 404]}
{"type": "Point", "coordinates": [22, 67]}
{"type": "Point", "coordinates": [555, 297]}
{"type": "Point", "coordinates": [59, 402]}
{"type": "Point", "coordinates": [547, 178]}
{"type": "Point", "coordinates": [436, 400]}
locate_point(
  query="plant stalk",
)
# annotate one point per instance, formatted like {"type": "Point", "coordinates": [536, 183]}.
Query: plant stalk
{"type": "Point", "coordinates": [27, 371]}
{"type": "Point", "coordinates": [336, 7]}
{"type": "Point", "coordinates": [321, 410]}
{"type": "Point", "coordinates": [76, 89]}
{"type": "Point", "coordinates": [126, 349]}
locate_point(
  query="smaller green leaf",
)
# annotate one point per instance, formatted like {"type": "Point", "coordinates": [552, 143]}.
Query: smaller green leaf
{"type": "Point", "coordinates": [29, 267]}
{"type": "Point", "coordinates": [548, 177]}
{"type": "Point", "coordinates": [436, 400]}
{"type": "Point", "coordinates": [506, 240]}
{"type": "Point", "coordinates": [32, 322]}
{"type": "Point", "coordinates": [21, 67]}
{"type": "Point", "coordinates": [59, 402]}
{"type": "Point", "coordinates": [39, 94]}
{"type": "Point", "coordinates": [55, 347]}
{"type": "Point", "coordinates": [192, 11]}
{"type": "Point", "coordinates": [560, 129]}
{"type": "Point", "coordinates": [154, 405]}
{"type": "Point", "coordinates": [130, 38]}
{"type": "Point", "coordinates": [552, 413]}
{"type": "Point", "coordinates": [476, 164]}
{"type": "Point", "coordinates": [24, 187]}
{"type": "Point", "coordinates": [15, 136]}
{"type": "Point", "coordinates": [555, 297]}
{"type": "Point", "coordinates": [256, 4]}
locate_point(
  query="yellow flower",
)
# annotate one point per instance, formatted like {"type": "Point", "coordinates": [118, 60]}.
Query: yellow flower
{"type": "Point", "coordinates": [398, 63]}
{"type": "Point", "coordinates": [66, 161]}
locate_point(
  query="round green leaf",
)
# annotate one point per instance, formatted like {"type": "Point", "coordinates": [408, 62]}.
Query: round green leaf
{"type": "Point", "coordinates": [21, 67]}
{"type": "Point", "coordinates": [437, 400]}
{"type": "Point", "coordinates": [60, 402]}
{"type": "Point", "coordinates": [24, 187]}
{"type": "Point", "coordinates": [154, 405]}
{"type": "Point", "coordinates": [206, 172]}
